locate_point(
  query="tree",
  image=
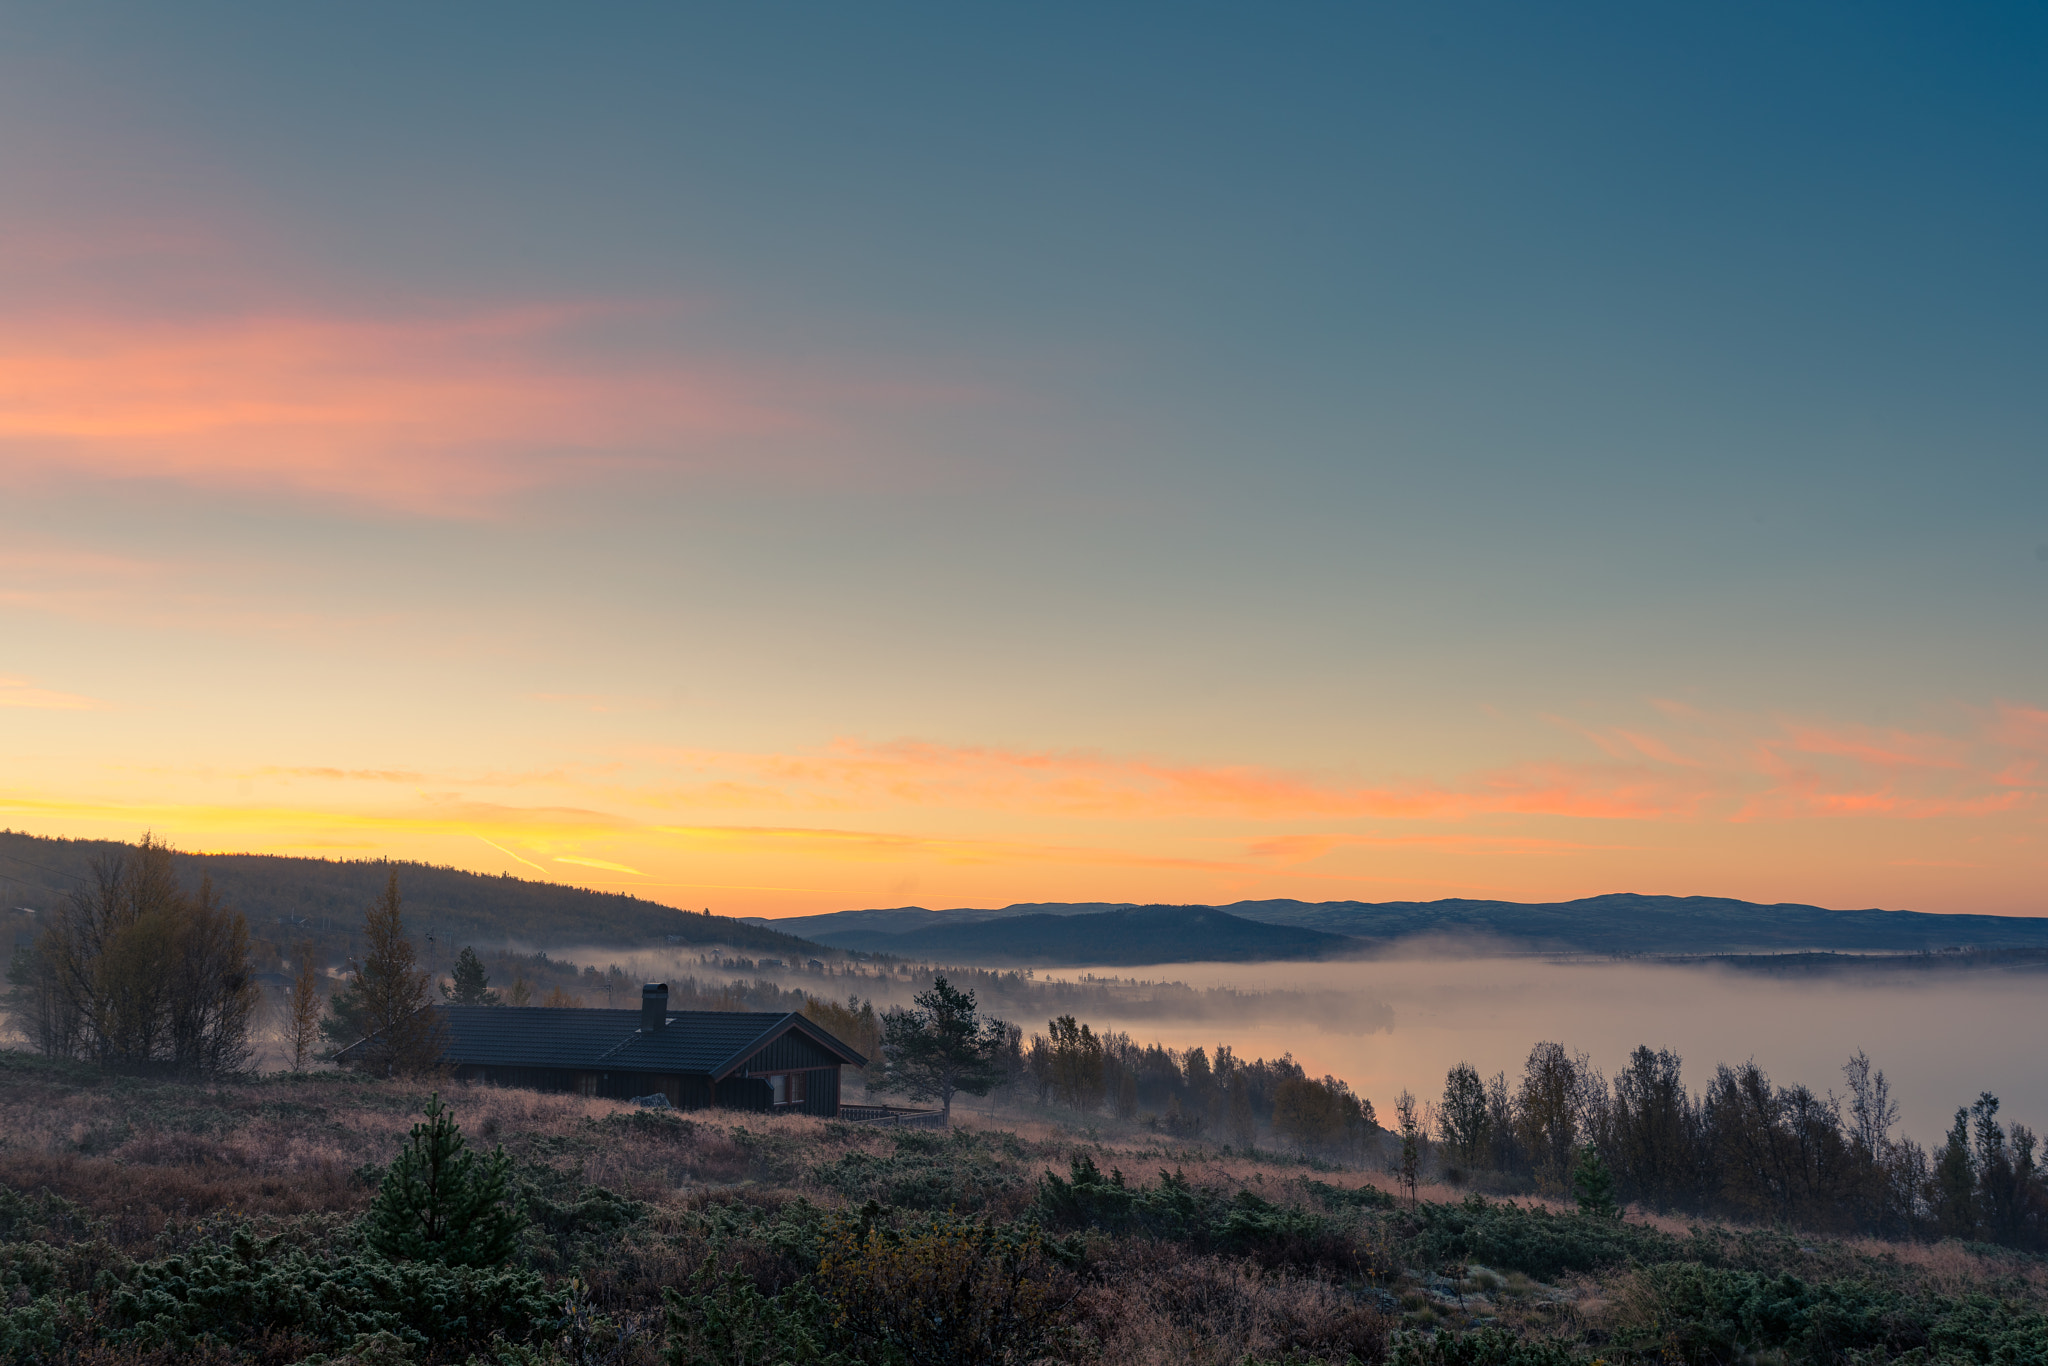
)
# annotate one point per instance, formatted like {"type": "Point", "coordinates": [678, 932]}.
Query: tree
{"type": "Point", "coordinates": [440, 1203]}
{"type": "Point", "coordinates": [1243, 1120]}
{"type": "Point", "coordinates": [1653, 1130]}
{"type": "Point", "coordinates": [1411, 1144]}
{"type": "Point", "coordinates": [471, 985]}
{"type": "Point", "coordinates": [1462, 1119]}
{"type": "Point", "coordinates": [1077, 1063]}
{"type": "Point", "coordinates": [941, 1047]}
{"type": "Point", "coordinates": [1593, 1184]}
{"type": "Point", "coordinates": [1546, 1114]}
{"type": "Point", "coordinates": [388, 995]}
{"type": "Point", "coordinates": [1953, 1190]}
{"type": "Point", "coordinates": [558, 999]}
{"type": "Point", "coordinates": [302, 1004]}
{"type": "Point", "coordinates": [135, 973]}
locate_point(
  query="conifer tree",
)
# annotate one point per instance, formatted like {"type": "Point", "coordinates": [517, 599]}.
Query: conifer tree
{"type": "Point", "coordinates": [1593, 1184]}
{"type": "Point", "coordinates": [388, 996]}
{"type": "Point", "coordinates": [471, 985]}
{"type": "Point", "coordinates": [942, 1048]}
{"type": "Point", "coordinates": [439, 1202]}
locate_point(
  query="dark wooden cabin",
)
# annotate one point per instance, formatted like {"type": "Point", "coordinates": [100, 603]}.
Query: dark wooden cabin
{"type": "Point", "coordinates": [735, 1060]}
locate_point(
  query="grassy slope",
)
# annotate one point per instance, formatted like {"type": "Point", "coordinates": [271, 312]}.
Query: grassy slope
{"type": "Point", "coordinates": [1247, 1258]}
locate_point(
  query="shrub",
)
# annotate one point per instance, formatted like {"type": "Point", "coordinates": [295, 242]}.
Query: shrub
{"type": "Point", "coordinates": [725, 1320]}
{"type": "Point", "coordinates": [1177, 1210]}
{"type": "Point", "coordinates": [1514, 1238]}
{"type": "Point", "coordinates": [921, 1176]}
{"type": "Point", "coordinates": [1482, 1347]}
{"type": "Point", "coordinates": [949, 1292]}
{"type": "Point", "coordinates": [250, 1287]}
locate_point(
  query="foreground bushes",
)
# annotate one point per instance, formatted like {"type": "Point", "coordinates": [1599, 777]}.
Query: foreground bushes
{"type": "Point", "coordinates": [1535, 1242]}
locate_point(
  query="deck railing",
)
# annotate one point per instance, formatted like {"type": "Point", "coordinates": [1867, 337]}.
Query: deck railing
{"type": "Point", "coordinates": [893, 1116]}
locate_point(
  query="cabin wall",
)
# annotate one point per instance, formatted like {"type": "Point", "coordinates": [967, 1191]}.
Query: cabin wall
{"type": "Point", "coordinates": [793, 1052]}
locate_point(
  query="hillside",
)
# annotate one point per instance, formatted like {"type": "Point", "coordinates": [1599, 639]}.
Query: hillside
{"type": "Point", "coordinates": [288, 899]}
{"type": "Point", "coordinates": [1622, 923]}
{"type": "Point", "coordinates": [1111, 938]}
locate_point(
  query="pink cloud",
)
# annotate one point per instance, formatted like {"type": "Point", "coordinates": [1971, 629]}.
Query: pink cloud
{"type": "Point", "coordinates": [435, 414]}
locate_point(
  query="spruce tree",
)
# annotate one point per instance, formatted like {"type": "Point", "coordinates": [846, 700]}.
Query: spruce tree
{"type": "Point", "coordinates": [471, 985]}
{"type": "Point", "coordinates": [442, 1203]}
{"type": "Point", "coordinates": [1593, 1183]}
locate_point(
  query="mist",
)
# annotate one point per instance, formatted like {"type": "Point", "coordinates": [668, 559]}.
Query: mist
{"type": "Point", "coordinates": [1940, 1038]}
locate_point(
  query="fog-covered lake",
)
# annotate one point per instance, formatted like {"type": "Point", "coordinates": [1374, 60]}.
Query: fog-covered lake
{"type": "Point", "coordinates": [1941, 1037]}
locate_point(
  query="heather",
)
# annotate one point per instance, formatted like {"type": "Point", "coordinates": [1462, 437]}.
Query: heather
{"type": "Point", "coordinates": [157, 1219]}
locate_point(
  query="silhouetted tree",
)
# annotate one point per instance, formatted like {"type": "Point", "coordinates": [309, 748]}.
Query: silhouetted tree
{"type": "Point", "coordinates": [469, 985]}
{"type": "Point", "coordinates": [1462, 1120]}
{"type": "Point", "coordinates": [940, 1048]}
{"type": "Point", "coordinates": [387, 996]}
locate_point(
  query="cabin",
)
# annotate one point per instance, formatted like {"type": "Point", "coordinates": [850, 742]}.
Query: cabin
{"type": "Point", "coordinates": [698, 1059]}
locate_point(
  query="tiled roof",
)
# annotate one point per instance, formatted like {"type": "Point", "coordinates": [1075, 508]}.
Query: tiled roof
{"type": "Point", "coordinates": [693, 1041]}
{"type": "Point", "coordinates": [534, 1036]}
{"type": "Point", "coordinates": [713, 1040]}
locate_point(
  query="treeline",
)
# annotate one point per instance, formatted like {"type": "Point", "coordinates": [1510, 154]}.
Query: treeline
{"type": "Point", "coordinates": [1743, 1147]}
{"type": "Point", "coordinates": [1187, 1092]}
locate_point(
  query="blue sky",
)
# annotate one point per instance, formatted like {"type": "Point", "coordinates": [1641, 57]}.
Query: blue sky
{"type": "Point", "coordinates": [654, 405]}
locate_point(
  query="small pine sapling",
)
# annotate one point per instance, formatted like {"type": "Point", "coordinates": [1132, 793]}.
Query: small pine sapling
{"type": "Point", "coordinates": [1593, 1183]}
{"type": "Point", "coordinates": [442, 1203]}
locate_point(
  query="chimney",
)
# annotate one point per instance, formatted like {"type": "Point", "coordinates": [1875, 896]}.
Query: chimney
{"type": "Point", "coordinates": [653, 1006]}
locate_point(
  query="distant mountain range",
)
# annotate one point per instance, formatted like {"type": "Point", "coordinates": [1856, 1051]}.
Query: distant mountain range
{"type": "Point", "coordinates": [1122, 937]}
{"type": "Point", "coordinates": [1622, 923]}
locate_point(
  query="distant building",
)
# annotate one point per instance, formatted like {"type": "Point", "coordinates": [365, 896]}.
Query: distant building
{"type": "Point", "coordinates": [733, 1060]}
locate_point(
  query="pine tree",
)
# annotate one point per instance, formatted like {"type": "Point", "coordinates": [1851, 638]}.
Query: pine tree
{"type": "Point", "coordinates": [942, 1048]}
{"type": "Point", "coordinates": [471, 985]}
{"type": "Point", "coordinates": [1593, 1183]}
{"type": "Point", "coordinates": [439, 1202]}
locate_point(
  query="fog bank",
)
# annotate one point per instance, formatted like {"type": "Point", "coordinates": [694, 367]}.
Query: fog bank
{"type": "Point", "coordinates": [1940, 1038]}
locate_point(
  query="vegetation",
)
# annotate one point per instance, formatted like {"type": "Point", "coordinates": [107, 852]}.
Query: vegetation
{"type": "Point", "coordinates": [153, 1219]}
{"type": "Point", "coordinates": [941, 1048]}
{"type": "Point", "coordinates": [469, 984]}
{"type": "Point", "coordinates": [385, 1001]}
{"type": "Point", "coordinates": [1744, 1148]}
{"type": "Point", "coordinates": [439, 1203]}
{"type": "Point", "coordinates": [134, 973]}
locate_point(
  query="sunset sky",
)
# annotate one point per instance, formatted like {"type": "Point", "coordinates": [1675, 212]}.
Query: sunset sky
{"type": "Point", "coordinates": [783, 459]}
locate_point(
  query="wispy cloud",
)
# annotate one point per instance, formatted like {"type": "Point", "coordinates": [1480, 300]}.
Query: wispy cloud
{"type": "Point", "coordinates": [19, 692]}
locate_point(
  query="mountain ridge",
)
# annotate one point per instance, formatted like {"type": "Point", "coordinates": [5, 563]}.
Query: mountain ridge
{"type": "Point", "coordinates": [1613, 923]}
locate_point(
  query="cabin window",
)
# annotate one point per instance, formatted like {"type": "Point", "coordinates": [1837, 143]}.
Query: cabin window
{"type": "Point", "coordinates": [786, 1088]}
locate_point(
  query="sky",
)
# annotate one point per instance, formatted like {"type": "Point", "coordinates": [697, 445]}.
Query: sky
{"type": "Point", "coordinates": [783, 459]}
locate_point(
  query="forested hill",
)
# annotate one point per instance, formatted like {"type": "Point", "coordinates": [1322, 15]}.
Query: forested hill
{"type": "Point", "coordinates": [1623, 923]}
{"type": "Point", "coordinates": [1109, 938]}
{"type": "Point", "coordinates": [287, 899]}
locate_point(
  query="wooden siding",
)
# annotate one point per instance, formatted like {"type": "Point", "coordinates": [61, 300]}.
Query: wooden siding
{"type": "Point", "coordinates": [792, 1052]}
{"type": "Point", "coordinates": [685, 1092]}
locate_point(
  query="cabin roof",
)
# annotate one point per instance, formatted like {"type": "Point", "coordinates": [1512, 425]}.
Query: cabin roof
{"type": "Point", "coordinates": [707, 1042]}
